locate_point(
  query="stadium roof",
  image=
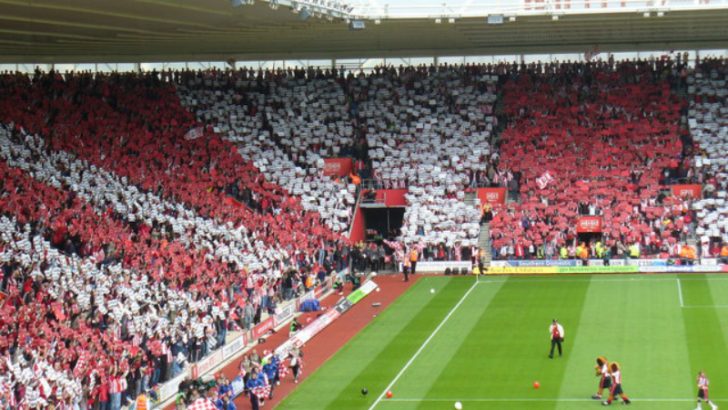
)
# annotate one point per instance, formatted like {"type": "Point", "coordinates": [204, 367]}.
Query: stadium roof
{"type": "Point", "coordinates": [77, 31]}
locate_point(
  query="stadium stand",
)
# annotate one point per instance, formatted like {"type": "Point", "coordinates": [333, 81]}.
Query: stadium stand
{"type": "Point", "coordinates": [111, 122]}
{"type": "Point", "coordinates": [590, 139]}
{"type": "Point", "coordinates": [285, 124]}
{"type": "Point", "coordinates": [709, 127]}
{"type": "Point", "coordinates": [123, 210]}
{"type": "Point", "coordinates": [429, 129]}
{"type": "Point", "coordinates": [117, 248]}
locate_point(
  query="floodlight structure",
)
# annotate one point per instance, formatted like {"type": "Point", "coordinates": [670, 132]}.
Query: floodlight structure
{"type": "Point", "coordinates": [494, 19]}
{"type": "Point", "coordinates": [357, 25]}
{"type": "Point", "coordinates": [304, 14]}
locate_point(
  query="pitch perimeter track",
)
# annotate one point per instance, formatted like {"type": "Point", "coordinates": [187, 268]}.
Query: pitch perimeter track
{"type": "Point", "coordinates": [331, 339]}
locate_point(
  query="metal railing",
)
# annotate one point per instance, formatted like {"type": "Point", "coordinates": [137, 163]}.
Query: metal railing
{"type": "Point", "coordinates": [511, 8]}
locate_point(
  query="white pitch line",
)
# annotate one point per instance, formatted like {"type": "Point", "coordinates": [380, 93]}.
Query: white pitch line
{"type": "Point", "coordinates": [556, 399]}
{"type": "Point", "coordinates": [679, 293]}
{"type": "Point", "coordinates": [705, 306]}
{"type": "Point", "coordinates": [424, 344]}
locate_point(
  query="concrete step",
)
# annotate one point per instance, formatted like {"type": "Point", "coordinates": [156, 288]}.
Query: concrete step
{"type": "Point", "coordinates": [484, 243]}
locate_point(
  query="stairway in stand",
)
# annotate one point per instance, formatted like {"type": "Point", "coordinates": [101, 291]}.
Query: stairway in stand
{"type": "Point", "coordinates": [484, 243]}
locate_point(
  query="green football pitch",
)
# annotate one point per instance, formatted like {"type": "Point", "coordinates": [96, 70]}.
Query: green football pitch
{"type": "Point", "coordinates": [485, 342]}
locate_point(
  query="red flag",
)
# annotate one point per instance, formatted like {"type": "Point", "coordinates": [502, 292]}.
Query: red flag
{"type": "Point", "coordinates": [57, 308]}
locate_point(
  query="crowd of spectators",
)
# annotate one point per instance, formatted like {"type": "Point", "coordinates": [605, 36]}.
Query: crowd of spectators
{"type": "Point", "coordinates": [143, 216]}
{"type": "Point", "coordinates": [708, 121]}
{"type": "Point", "coordinates": [592, 139]}
{"type": "Point", "coordinates": [285, 123]}
{"type": "Point", "coordinates": [430, 130]}
{"type": "Point", "coordinates": [122, 256]}
{"type": "Point", "coordinates": [427, 129]}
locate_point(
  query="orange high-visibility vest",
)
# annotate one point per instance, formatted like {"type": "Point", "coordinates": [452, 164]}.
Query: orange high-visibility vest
{"type": "Point", "coordinates": [413, 255]}
{"type": "Point", "coordinates": [141, 402]}
{"type": "Point", "coordinates": [691, 253]}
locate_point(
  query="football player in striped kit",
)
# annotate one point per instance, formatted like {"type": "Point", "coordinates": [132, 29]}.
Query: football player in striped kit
{"type": "Point", "coordinates": [605, 379]}
{"type": "Point", "coordinates": [616, 385]}
{"type": "Point", "coordinates": [703, 383]}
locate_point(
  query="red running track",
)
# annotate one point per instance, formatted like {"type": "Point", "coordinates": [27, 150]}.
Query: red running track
{"type": "Point", "coordinates": [324, 345]}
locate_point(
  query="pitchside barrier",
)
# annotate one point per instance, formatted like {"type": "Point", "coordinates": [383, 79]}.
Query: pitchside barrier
{"type": "Point", "coordinates": [559, 266]}
{"type": "Point", "coordinates": [239, 343]}
{"type": "Point", "coordinates": [307, 333]}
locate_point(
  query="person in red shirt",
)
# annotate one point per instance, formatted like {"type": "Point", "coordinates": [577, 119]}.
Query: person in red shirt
{"type": "Point", "coordinates": [103, 393]}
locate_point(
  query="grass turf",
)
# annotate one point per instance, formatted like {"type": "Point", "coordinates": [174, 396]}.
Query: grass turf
{"type": "Point", "coordinates": [488, 351]}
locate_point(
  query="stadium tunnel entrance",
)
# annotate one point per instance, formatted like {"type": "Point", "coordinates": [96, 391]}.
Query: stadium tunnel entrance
{"type": "Point", "coordinates": [589, 237]}
{"type": "Point", "coordinates": [382, 223]}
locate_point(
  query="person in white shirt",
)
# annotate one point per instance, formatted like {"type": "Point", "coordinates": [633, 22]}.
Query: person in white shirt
{"type": "Point", "coordinates": [616, 390]}
{"type": "Point", "coordinates": [605, 378]}
{"type": "Point", "coordinates": [556, 331]}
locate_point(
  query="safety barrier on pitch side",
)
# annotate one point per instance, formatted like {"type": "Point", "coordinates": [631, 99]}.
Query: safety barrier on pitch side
{"type": "Point", "coordinates": [522, 270]}
{"type": "Point", "coordinates": [439, 266]}
{"type": "Point", "coordinates": [551, 270]}
{"type": "Point", "coordinates": [684, 269]}
{"type": "Point", "coordinates": [577, 263]}
{"type": "Point", "coordinates": [533, 263]}
{"type": "Point", "coordinates": [286, 312]}
{"type": "Point", "coordinates": [315, 327]}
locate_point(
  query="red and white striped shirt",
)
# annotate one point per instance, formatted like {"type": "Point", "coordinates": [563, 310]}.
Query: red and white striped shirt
{"type": "Point", "coordinates": [703, 383]}
{"type": "Point", "coordinates": [117, 384]}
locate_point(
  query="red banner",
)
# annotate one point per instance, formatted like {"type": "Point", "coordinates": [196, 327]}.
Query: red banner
{"type": "Point", "coordinates": [358, 231]}
{"type": "Point", "coordinates": [340, 167]}
{"type": "Point", "coordinates": [492, 195]}
{"type": "Point", "coordinates": [693, 191]}
{"type": "Point", "coordinates": [589, 224]}
{"type": "Point", "coordinates": [262, 328]}
{"type": "Point", "coordinates": [392, 197]}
